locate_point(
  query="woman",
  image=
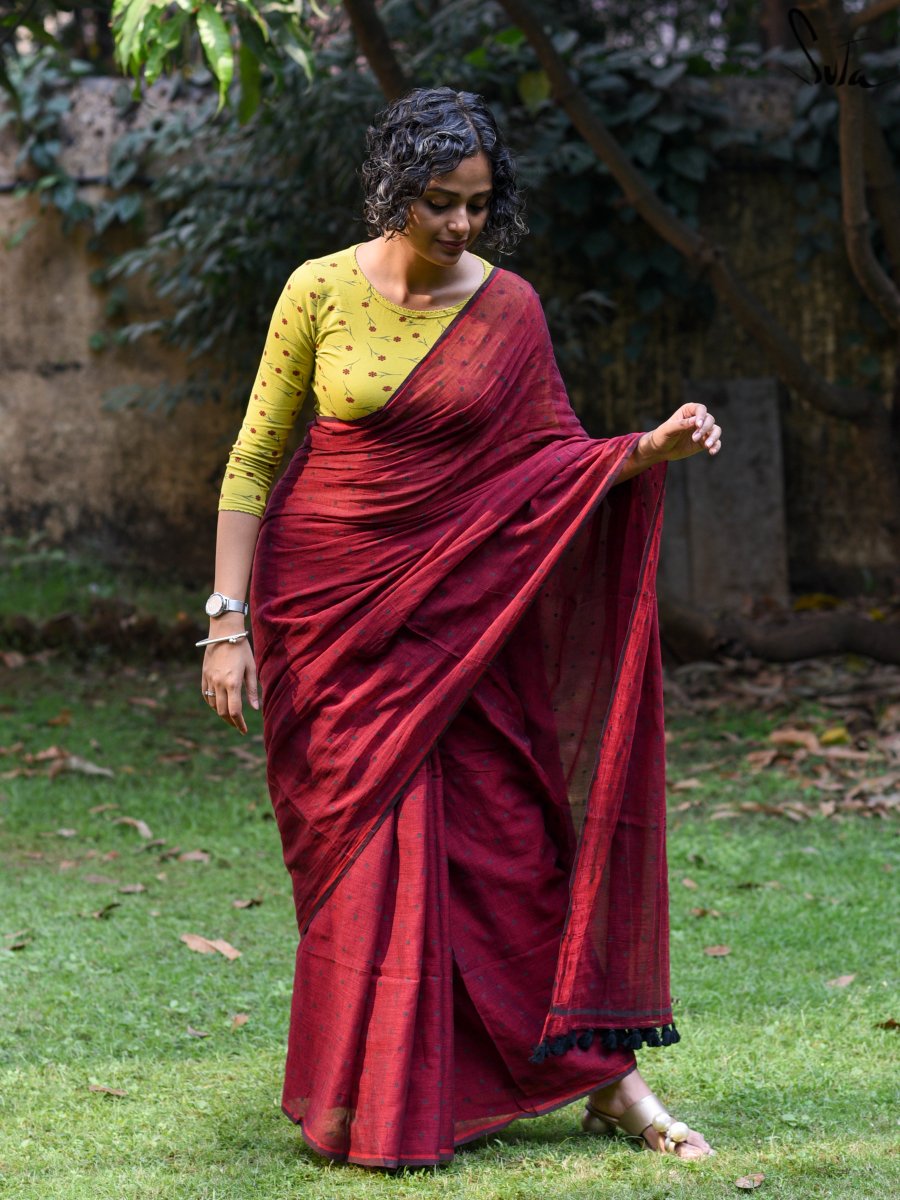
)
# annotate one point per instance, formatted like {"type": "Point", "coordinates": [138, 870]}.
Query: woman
{"type": "Point", "coordinates": [454, 622]}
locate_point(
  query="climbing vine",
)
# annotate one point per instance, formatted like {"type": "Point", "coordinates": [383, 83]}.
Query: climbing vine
{"type": "Point", "coordinates": [259, 171]}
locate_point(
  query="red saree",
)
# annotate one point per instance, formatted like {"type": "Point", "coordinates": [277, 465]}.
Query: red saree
{"type": "Point", "coordinates": [455, 627]}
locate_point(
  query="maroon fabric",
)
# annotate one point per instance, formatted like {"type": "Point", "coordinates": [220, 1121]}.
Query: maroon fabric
{"type": "Point", "coordinates": [420, 982]}
{"type": "Point", "coordinates": [398, 556]}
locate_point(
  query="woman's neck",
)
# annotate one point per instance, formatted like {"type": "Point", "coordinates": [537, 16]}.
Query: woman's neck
{"type": "Point", "coordinates": [395, 270]}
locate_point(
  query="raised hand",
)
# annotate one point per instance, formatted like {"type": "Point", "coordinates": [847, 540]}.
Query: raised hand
{"type": "Point", "coordinates": [688, 431]}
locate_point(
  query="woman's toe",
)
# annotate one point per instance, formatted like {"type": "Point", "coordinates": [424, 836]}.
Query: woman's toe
{"type": "Point", "coordinates": [696, 1146]}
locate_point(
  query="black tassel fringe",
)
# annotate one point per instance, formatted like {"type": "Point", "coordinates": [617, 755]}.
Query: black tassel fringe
{"type": "Point", "coordinates": [612, 1039]}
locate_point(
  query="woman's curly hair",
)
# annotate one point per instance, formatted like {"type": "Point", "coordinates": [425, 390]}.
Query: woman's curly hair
{"type": "Point", "coordinates": [428, 132]}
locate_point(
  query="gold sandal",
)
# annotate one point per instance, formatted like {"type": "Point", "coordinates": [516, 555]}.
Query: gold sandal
{"type": "Point", "coordinates": [634, 1120]}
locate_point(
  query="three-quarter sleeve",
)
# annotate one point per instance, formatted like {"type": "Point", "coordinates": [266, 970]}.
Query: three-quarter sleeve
{"type": "Point", "coordinates": [281, 384]}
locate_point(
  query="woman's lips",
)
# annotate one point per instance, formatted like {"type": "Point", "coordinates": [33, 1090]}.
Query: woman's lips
{"type": "Point", "coordinates": [452, 245]}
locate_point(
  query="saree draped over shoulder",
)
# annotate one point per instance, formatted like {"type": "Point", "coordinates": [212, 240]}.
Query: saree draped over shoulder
{"type": "Point", "coordinates": [455, 626]}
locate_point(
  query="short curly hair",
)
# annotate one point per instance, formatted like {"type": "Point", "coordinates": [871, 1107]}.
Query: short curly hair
{"type": "Point", "coordinates": [428, 132]}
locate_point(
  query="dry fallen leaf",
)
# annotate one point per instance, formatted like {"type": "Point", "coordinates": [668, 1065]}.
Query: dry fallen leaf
{"type": "Point", "coordinates": [748, 1182]}
{"type": "Point", "coordinates": [251, 903]}
{"type": "Point", "coordinates": [100, 879]}
{"type": "Point", "coordinates": [143, 702]}
{"type": "Point", "coordinates": [689, 883]}
{"type": "Point", "coordinates": [239, 1019]}
{"type": "Point", "coordinates": [98, 1087]}
{"type": "Point", "coordinates": [47, 755]}
{"type": "Point", "coordinates": [13, 659]}
{"type": "Point", "coordinates": [890, 1023]}
{"type": "Point", "coordinates": [99, 808]}
{"type": "Point", "coordinates": [197, 1033]}
{"type": "Point", "coordinates": [203, 945]}
{"type": "Point", "coordinates": [132, 889]}
{"type": "Point", "coordinates": [717, 951]}
{"type": "Point", "coordinates": [67, 833]}
{"type": "Point", "coordinates": [102, 913]}
{"type": "Point", "coordinates": [141, 826]}
{"type": "Point", "coordinates": [837, 735]}
{"type": "Point", "coordinates": [63, 717]}
{"type": "Point", "coordinates": [788, 736]}
{"type": "Point", "coordinates": [705, 912]}
{"type": "Point", "coordinates": [201, 856]}
{"type": "Point", "coordinates": [248, 757]}
{"type": "Point", "coordinates": [71, 762]}
{"type": "Point", "coordinates": [686, 785]}
{"type": "Point", "coordinates": [840, 981]}
{"type": "Point", "coordinates": [758, 760]}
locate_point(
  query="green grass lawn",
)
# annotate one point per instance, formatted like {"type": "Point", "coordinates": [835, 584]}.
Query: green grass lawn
{"type": "Point", "coordinates": [785, 1074]}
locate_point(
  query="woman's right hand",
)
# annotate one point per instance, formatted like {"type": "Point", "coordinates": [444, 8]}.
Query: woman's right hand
{"type": "Point", "coordinates": [227, 667]}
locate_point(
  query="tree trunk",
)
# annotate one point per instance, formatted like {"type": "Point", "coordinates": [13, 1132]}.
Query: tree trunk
{"type": "Point", "coordinates": [375, 44]}
{"type": "Point", "coordinates": [689, 636]}
{"type": "Point", "coordinates": [781, 350]}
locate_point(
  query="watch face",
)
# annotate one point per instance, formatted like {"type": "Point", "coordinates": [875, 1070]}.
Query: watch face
{"type": "Point", "coordinates": [214, 604]}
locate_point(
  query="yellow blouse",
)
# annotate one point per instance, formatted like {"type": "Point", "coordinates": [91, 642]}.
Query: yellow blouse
{"type": "Point", "coordinates": [333, 332]}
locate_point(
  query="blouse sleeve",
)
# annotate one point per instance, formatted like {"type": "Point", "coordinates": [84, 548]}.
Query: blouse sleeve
{"type": "Point", "coordinates": [279, 389]}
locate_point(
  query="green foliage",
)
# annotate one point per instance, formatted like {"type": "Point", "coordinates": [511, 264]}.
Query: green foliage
{"type": "Point", "coordinates": [40, 86]}
{"type": "Point", "coordinates": [152, 35]}
{"type": "Point", "coordinates": [242, 188]}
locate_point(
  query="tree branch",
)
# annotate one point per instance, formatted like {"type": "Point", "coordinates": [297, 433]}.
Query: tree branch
{"type": "Point", "coordinates": [853, 127]}
{"type": "Point", "coordinates": [857, 227]}
{"type": "Point", "coordinates": [690, 634]}
{"type": "Point", "coordinates": [373, 41]}
{"type": "Point", "coordinates": [709, 257]}
{"type": "Point", "coordinates": [872, 12]}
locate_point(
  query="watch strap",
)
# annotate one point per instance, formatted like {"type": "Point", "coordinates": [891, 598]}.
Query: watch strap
{"type": "Point", "coordinates": [240, 606]}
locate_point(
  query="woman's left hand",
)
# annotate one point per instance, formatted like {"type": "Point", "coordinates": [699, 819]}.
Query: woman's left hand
{"type": "Point", "coordinates": [688, 431]}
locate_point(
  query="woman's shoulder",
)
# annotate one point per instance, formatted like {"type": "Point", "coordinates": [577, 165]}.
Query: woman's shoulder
{"type": "Point", "coordinates": [324, 271]}
{"type": "Point", "coordinates": [516, 285]}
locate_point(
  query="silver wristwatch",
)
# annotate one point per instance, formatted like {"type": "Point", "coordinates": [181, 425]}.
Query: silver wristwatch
{"type": "Point", "coordinates": [218, 605]}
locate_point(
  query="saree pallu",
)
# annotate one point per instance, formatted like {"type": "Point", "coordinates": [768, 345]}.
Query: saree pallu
{"type": "Point", "coordinates": [455, 628]}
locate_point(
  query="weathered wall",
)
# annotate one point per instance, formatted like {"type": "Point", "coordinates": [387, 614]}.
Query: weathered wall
{"type": "Point", "coordinates": [146, 484]}
{"type": "Point", "coordinates": [124, 482]}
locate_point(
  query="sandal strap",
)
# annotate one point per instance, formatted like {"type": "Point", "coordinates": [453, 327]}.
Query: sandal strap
{"type": "Point", "coordinates": [596, 1112]}
{"type": "Point", "coordinates": [642, 1113]}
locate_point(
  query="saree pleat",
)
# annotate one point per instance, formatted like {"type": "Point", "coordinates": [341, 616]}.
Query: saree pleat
{"type": "Point", "coordinates": [420, 982]}
{"type": "Point", "coordinates": [455, 576]}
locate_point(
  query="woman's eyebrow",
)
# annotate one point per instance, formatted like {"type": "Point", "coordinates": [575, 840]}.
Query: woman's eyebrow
{"type": "Point", "coordinates": [447, 192]}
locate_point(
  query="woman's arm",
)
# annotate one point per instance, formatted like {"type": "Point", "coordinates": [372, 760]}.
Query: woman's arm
{"type": "Point", "coordinates": [688, 431]}
{"type": "Point", "coordinates": [228, 666]}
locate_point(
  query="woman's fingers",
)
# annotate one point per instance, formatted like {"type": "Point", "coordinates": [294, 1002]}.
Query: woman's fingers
{"type": "Point", "coordinates": [228, 704]}
{"type": "Point", "coordinates": [694, 416]}
{"type": "Point", "coordinates": [222, 686]}
{"type": "Point", "coordinates": [703, 427]}
{"type": "Point", "coordinates": [252, 685]}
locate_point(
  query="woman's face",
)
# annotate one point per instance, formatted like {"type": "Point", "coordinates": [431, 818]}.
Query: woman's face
{"type": "Point", "coordinates": [451, 212]}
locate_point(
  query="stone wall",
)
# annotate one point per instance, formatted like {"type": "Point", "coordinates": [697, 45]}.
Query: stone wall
{"type": "Point", "coordinates": [145, 484]}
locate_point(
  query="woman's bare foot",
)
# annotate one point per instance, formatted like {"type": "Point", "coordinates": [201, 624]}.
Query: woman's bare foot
{"type": "Point", "coordinates": [617, 1097]}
